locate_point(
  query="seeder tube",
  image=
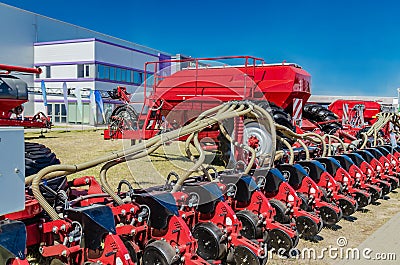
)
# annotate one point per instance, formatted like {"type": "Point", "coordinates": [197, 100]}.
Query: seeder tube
{"type": "Point", "coordinates": [58, 170]}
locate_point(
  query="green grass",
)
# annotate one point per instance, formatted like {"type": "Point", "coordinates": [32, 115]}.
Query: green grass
{"type": "Point", "coordinates": [75, 147]}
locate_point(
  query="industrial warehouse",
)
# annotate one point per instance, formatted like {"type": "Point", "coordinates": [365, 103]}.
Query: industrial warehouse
{"type": "Point", "coordinates": [116, 153]}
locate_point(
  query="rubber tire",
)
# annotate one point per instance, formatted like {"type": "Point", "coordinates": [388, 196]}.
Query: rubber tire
{"type": "Point", "coordinates": [311, 231]}
{"type": "Point", "coordinates": [317, 113]}
{"type": "Point", "coordinates": [324, 211]}
{"type": "Point", "coordinates": [280, 209]}
{"type": "Point", "coordinates": [37, 157]}
{"type": "Point", "coordinates": [278, 114]}
{"type": "Point", "coordinates": [304, 201]}
{"type": "Point", "coordinates": [215, 232]}
{"type": "Point", "coordinates": [249, 258]}
{"type": "Point", "coordinates": [283, 237]}
{"type": "Point", "coordinates": [131, 113]}
{"type": "Point", "coordinates": [248, 218]}
{"type": "Point", "coordinates": [159, 252]}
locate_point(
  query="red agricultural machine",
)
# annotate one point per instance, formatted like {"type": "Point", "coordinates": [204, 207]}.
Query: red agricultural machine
{"type": "Point", "coordinates": [13, 94]}
{"type": "Point", "coordinates": [280, 181]}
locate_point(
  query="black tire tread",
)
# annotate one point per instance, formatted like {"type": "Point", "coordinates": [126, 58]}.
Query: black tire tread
{"type": "Point", "coordinates": [37, 157]}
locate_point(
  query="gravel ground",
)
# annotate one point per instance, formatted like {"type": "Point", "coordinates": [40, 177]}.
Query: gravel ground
{"type": "Point", "coordinates": [79, 146]}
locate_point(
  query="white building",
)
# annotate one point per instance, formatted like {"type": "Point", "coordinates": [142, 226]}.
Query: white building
{"type": "Point", "coordinates": [70, 54]}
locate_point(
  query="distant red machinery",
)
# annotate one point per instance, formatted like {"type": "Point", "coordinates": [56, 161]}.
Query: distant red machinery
{"type": "Point", "coordinates": [356, 113]}
{"type": "Point", "coordinates": [173, 100]}
{"type": "Point", "coordinates": [14, 93]}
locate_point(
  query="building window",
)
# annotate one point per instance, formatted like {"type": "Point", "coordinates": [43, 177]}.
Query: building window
{"type": "Point", "coordinates": [137, 77]}
{"type": "Point", "coordinates": [106, 72]}
{"type": "Point", "coordinates": [100, 71]}
{"type": "Point", "coordinates": [48, 71]}
{"type": "Point", "coordinates": [112, 73]}
{"type": "Point", "coordinates": [81, 71]}
{"type": "Point", "coordinates": [129, 76]}
{"type": "Point", "coordinates": [87, 70]}
{"type": "Point", "coordinates": [118, 75]}
{"type": "Point", "coordinates": [123, 75]}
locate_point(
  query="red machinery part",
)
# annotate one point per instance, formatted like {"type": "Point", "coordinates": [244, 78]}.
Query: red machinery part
{"type": "Point", "coordinates": [371, 108]}
{"type": "Point", "coordinates": [11, 68]}
{"type": "Point", "coordinates": [187, 93]}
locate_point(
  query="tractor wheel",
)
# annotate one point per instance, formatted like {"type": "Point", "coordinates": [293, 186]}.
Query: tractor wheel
{"type": "Point", "coordinates": [279, 116]}
{"type": "Point", "coordinates": [158, 252]}
{"type": "Point", "coordinates": [123, 118]}
{"type": "Point", "coordinates": [317, 113]}
{"type": "Point", "coordinates": [37, 157]}
{"type": "Point", "coordinates": [278, 113]}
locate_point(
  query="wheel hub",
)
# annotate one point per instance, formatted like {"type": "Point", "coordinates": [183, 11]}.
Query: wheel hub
{"type": "Point", "coordinates": [279, 239]}
{"type": "Point", "coordinates": [329, 215]}
{"type": "Point", "coordinates": [306, 226]}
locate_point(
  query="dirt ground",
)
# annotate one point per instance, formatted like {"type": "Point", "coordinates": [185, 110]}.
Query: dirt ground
{"type": "Point", "coordinates": [79, 146]}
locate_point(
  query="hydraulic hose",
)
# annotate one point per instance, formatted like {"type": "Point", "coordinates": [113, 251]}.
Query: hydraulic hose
{"type": "Point", "coordinates": [198, 125]}
{"type": "Point", "coordinates": [305, 148]}
{"type": "Point", "coordinates": [287, 144]}
{"type": "Point", "coordinates": [309, 135]}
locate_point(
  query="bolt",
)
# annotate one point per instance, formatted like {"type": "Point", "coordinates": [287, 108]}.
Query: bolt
{"type": "Point", "coordinates": [64, 253]}
{"type": "Point", "coordinates": [62, 228]}
{"type": "Point", "coordinates": [17, 170]}
{"type": "Point", "coordinates": [133, 231]}
{"type": "Point", "coordinates": [87, 180]}
{"type": "Point", "coordinates": [55, 229]}
{"type": "Point", "coordinates": [183, 216]}
{"type": "Point", "coordinates": [40, 250]}
{"type": "Point", "coordinates": [132, 210]}
{"type": "Point", "coordinates": [229, 238]}
{"type": "Point", "coordinates": [123, 212]}
{"type": "Point", "coordinates": [177, 250]}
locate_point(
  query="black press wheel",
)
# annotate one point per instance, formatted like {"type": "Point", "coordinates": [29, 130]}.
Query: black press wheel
{"type": "Point", "coordinates": [304, 201]}
{"type": "Point", "coordinates": [347, 207]}
{"type": "Point", "coordinates": [280, 241]}
{"type": "Point", "coordinates": [250, 229]}
{"type": "Point", "coordinates": [244, 256]}
{"type": "Point", "coordinates": [375, 194]}
{"type": "Point", "coordinates": [386, 187]}
{"type": "Point", "coordinates": [211, 245]}
{"type": "Point", "coordinates": [329, 215]}
{"type": "Point", "coordinates": [306, 226]}
{"type": "Point", "coordinates": [158, 252]}
{"type": "Point", "coordinates": [362, 199]}
{"type": "Point", "coordinates": [280, 209]}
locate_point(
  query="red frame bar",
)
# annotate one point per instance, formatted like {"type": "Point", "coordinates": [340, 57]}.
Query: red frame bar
{"type": "Point", "coordinates": [11, 68]}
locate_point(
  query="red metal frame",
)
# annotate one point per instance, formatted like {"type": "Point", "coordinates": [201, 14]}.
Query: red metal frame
{"type": "Point", "coordinates": [183, 95]}
{"type": "Point", "coordinates": [40, 120]}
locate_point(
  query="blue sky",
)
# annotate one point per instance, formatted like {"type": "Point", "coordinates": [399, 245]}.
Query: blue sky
{"type": "Point", "coordinates": [349, 47]}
